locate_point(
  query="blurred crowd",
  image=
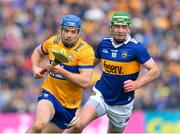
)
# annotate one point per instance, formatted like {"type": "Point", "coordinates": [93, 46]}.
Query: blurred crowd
{"type": "Point", "coordinates": [24, 24]}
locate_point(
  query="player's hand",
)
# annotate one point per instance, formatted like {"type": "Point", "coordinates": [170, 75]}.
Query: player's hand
{"type": "Point", "coordinates": [36, 71]}
{"type": "Point", "coordinates": [49, 67]}
{"type": "Point", "coordinates": [56, 70]}
{"type": "Point", "coordinates": [130, 85]}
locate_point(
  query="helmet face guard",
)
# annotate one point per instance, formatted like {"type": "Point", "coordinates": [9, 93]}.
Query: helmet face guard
{"type": "Point", "coordinates": [71, 21]}
{"type": "Point", "coordinates": [121, 18]}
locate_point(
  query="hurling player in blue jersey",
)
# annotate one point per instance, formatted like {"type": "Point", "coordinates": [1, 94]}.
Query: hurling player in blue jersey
{"type": "Point", "coordinates": [121, 57]}
{"type": "Point", "coordinates": [62, 90]}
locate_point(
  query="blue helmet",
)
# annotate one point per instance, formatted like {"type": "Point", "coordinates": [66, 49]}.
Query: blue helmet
{"type": "Point", "coordinates": [71, 21]}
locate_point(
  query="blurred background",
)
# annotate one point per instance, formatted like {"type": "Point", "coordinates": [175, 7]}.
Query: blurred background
{"type": "Point", "coordinates": [24, 24]}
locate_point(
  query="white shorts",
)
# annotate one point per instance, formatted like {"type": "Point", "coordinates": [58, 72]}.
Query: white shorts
{"type": "Point", "coordinates": [118, 115]}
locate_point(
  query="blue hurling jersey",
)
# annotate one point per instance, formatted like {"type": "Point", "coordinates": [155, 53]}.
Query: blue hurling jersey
{"type": "Point", "coordinates": [119, 63]}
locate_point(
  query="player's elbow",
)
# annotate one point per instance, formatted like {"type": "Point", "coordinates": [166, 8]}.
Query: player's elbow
{"type": "Point", "coordinates": [85, 83]}
{"type": "Point", "coordinates": [156, 72]}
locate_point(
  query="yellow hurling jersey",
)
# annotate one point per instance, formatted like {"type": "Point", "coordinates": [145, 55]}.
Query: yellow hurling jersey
{"type": "Point", "coordinates": [81, 56]}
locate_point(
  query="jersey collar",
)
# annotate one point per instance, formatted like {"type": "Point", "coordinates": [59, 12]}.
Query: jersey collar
{"type": "Point", "coordinates": [128, 38]}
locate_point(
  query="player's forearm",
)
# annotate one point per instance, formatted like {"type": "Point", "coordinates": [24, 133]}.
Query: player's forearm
{"type": "Point", "coordinates": [79, 79]}
{"type": "Point", "coordinates": [35, 58]}
{"type": "Point", "coordinates": [149, 76]}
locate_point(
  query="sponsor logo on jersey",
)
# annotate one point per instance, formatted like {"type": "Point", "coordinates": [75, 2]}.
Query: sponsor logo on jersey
{"type": "Point", "coordinates": [120, 68]}
{"type": "Point", "coordinates": [112, 69]}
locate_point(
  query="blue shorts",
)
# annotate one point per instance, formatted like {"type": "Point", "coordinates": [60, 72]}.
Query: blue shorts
{"type": "Point", "coordinates": [63, 116]}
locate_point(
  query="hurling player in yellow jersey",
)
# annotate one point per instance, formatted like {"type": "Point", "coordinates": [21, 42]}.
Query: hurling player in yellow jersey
{"type": "Point", "coordinates": [62, 89]}
{"type": "Point", "coordinates": [121, 57]}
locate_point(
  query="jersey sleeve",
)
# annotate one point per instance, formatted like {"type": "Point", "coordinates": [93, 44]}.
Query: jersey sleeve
{"type": "Point", "coordinates": [86, 58]}
{"type": "Point", "coordinates": [46, 46]}
{"type": "Point", "coordinates": [142, 54]}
